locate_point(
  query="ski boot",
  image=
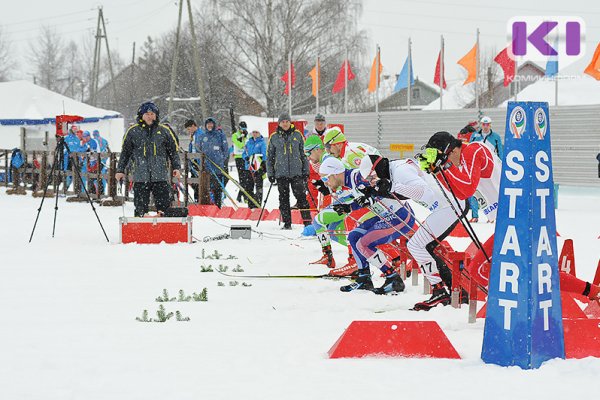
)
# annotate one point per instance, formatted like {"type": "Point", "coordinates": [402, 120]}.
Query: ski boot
{"type": "Point", "coordinates": [327, 258]}
{"type": "Point", "coordinates": [350, 269]}
{"type": "Point", "coordinates": [439, 295]}
{"type": "Point", "coordinates": [393, 284]}
{"type": "Point", "coordinates": [363, 282]}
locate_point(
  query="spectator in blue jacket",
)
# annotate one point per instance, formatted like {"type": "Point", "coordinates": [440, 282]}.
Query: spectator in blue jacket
{"type": "Point", "coordinates": [493, 140]}
{"type": "Point", "coordinates": [213, 144]}
{"type": "Point", "coordinates": [255, 155]}
{"type": "Point", "coordinates": [195, 133]}
{"type": "Point", "coordinates": [73, 145]}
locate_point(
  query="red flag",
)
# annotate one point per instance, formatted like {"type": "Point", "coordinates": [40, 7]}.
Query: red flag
{"type": "Point", "coordinates": [436, 77]}
{"type": "Point", "coordinates": [285, 79]}
{"type": "Point", "coordinates": [340, 81]}
{"type": "Point", "coordinates": [507, 64]}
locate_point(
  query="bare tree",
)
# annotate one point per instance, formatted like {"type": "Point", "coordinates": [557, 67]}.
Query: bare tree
{"type": "Point", "coordinates": [47, 55]}
{"type": "Point", "coordinates": [258, 35]}
{"type": "Point", "coordinates": [6, 62]}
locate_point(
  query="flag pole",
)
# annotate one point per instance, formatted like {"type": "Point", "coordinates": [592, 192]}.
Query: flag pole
{"type": "Point", "coordinates": [377, 80]}
{"type": "Point", "coordinates": [515, 80]}
{"type": "Point", "coordinates": [409, 88]}
{"type": "Point", "coordinates": [317, 77]}
{"type": "Point", "coordinates": [477, 73]}
{"type": "Point", "coordinates": [441, 71]}
{"type": "Point", "coordinates": [290, 84]}
{"type": "Point", "coordinates": [346, 83]}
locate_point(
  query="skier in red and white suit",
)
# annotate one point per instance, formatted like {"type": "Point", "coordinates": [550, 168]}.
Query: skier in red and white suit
{"type": "Point", "coordinates": [474, 170]}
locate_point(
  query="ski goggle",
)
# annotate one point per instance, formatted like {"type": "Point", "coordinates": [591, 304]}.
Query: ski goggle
{"type": "Point", "coordinates": [330, 142]}
{"type": "Point", "coordinates": [309, 150]}
{"type": "Point", "coordinates": [325, 178]}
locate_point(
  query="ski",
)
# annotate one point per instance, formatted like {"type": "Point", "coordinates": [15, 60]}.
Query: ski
{"type": "Point", "coordinates": [324, 276]}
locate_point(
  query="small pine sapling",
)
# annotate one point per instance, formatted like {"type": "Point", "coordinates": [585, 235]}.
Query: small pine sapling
{"type": "Point", "coordinates": [144, 317]}
{"type": "Point", "coordinates": [231, 257]}
{"type": "Point", "coordinates": [178, 317]}
{"type": "Point", "coordinates": [233, 283]}
{"type": "Point", "coordinates": [246, 284]}
{"type": "Point", "coordinates": [208, 268]}
{"type": "Point", "coordinates": [183, 297]}
{"type": "Point", "coordinates": [223, 268]}
{"type": "Point", "coordinates": [220, 284]}
{"type": "Point", "coordinates": [165, 297]}
{"type": "Point", "coordinates": [238, 268]}
{"type": "Point", "coordinates": [162, 314]}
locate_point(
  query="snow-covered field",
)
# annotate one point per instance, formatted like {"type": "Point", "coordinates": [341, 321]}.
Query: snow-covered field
{"type": "Point", "coordinates": [69, 307]}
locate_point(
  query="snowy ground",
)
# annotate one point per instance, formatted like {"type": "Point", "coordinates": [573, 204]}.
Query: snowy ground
{"type": "Point", "coordinates": [69, 328]}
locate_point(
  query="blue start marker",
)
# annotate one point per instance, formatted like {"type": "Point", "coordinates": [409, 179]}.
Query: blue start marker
{"type": "Point", "coordinates": [523, 325]}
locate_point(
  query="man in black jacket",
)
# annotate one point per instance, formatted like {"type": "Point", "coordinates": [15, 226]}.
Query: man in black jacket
{"type": "Point", "coordinates": [287, 164]}
{"type": "Point", "coordinates": [149, 145]}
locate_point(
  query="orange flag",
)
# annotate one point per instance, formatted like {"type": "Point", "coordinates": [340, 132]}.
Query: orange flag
{"type": "Point", "coordinates": [593, 69]}
{"type": "Point", "coordinates": [469, 62]}
{"type": "Point", "coordinates": [375, 75]}
{"type": "Point", "coordinates": [315, 74]}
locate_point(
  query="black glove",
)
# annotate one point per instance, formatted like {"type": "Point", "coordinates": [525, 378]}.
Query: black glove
{"type": "Point", "coordinates": [320, 185]}
{"type": "Point", "coordinates": [365, 201]}
{"type": "Point", "coordinates": [271, 179]}
{"type": "Point", "coordinates": [383, 188]}
{"type": "Point", "coordinates": [342, 209]}
{"type": "Point", "coordinates": [367, 191]}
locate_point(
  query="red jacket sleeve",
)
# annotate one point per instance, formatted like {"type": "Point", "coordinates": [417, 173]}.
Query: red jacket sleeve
{"type": "Point", "coordinates": [464, 181]}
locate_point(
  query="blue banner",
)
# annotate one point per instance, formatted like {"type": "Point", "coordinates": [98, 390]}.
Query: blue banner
{"type": "Point", "coordinates": [523, 325]}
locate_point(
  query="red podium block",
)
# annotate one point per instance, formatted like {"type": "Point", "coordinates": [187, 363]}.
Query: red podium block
{"type": "Point", "coordinates": [241, 213]}
{"type": "Point", "coordinates": [592, 310]}
{"type": "Point", "coordinates": [203, 210]}
{"type": "Point", "coordinates": [411, 339]}
{"type": "Point", "coordinates": [155, 230]}
{"type": "Point", "coordinates": [570, 309]}
{"type": "Point", "coordinates": [297, 217]}
{"type": "Point", "coordinates": [274, 215]}
{"type": "Point", "coordinates": [224, 212]}
{"type": "Point", "coordinates": [459, 231]}
{"type": "Point", "coordinates": [582, 337]}
{"type": "Point", "coordinates": [255, 213]}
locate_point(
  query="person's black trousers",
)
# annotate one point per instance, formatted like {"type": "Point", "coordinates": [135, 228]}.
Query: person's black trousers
{"type": "Point", "coordinates": [298, 185]}
{"type": "Point", "coordinates": [256, 188]}
{"type": "Point", "coordinates": [161, 191]}
{"type": "Point", "coordinates": [244, 176]}
{"type": "Point", "coordinates": [216, 180]}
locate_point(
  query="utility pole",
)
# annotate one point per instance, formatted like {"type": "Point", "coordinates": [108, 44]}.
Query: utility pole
{"type": "Point", "coordinates": [101, 34]}
{"type": "Point", "coordinates": [197, 64]}
{"type": "Point", "coordinates": [175, 59]}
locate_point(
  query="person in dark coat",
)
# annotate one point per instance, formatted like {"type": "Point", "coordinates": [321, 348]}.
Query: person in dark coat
{"type": "Point", "coordinates": [213, 144]}
{"type": "Point", "coordinates": [287, 164]}
{"type": "Point", "coordinates": [149, 146]}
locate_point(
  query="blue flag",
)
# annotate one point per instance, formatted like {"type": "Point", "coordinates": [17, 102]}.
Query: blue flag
{"type": "Point", "coordinates": [552, 63]}
{"type": "Point", "coordinates": [401, 83]}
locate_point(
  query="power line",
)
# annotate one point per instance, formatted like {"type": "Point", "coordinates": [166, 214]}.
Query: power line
{"type": "Point", "coordinates": [47, 18]}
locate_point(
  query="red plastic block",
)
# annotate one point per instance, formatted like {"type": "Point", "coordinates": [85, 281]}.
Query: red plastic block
{"type": "Point", "coordinates": [482, 311]}
{"type": "Point", "coordinates": [570, 308]}
{"type": "Point", "coordinates": [155, 230]}
{"type": "Point", "coordinates": [593, 309]}
{"type": "Point", "coordinates": [413, 339]}
{"type": "Point", "coordinates": [582, 337]}
{"type": "Point", "coordinates": [597, 276]}
{"type": "Point", "coordinates": [241, 213]}
{"type": "Point", "coordinates": [273, 215]}
{"type": "Point", "coordinates": [224, 212]}
{"type": "Point", "coordinates": [203, 210]}
{"type": "Point", "coordinates": [297, 217]}
{"type": "Point", "coordinates": [459, 231]}
{"type": "Point", "coordinates": [566, 261]}
{"type": "Point", "coordinates": [255, 213]}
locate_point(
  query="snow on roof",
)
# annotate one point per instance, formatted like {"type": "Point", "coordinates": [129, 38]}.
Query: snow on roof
{"type": "Point", "coordinates": [455, 97]}
{"type": "Point", "coordinates": [579, 90]}
{"type": "Point", "coordinates": [23, 103]}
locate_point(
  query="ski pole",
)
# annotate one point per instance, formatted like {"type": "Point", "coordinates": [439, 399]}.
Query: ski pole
{"type": "Point", "coordinates": [264, 205]}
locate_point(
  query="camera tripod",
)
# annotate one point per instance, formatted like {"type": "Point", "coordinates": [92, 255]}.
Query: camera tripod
{"type": "Point", "coordinates": [59, 160]}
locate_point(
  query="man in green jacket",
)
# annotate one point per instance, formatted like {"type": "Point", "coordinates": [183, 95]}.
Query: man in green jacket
{"type": "Point", "coordinates": [287, 164]}
{"type": "Point", "coordinates": [239, 139]}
